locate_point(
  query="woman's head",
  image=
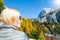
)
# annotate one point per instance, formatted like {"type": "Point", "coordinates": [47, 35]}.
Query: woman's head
{"type": "Point", "coordinates": [11, 17]}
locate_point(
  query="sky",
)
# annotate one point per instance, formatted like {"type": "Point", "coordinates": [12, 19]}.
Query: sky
{"type": "Point", "coordinates": [31, 8]}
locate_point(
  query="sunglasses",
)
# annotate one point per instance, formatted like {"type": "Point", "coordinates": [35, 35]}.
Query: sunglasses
{"type": "Point", "coordinates": [20, 17]}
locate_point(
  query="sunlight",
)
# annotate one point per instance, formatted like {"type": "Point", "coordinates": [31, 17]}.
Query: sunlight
{"type": "Point", "coordinates": [56, 3]}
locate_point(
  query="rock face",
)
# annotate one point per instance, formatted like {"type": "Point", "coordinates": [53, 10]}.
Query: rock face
{"type": "Point", "coordinates": [43, 15]}
{"type": "Point", "coordinates": [58, 17]}
{"type": "Point", "coordinates": [44, 11]}
{"type": "Point", "coordinates": [49, 15]}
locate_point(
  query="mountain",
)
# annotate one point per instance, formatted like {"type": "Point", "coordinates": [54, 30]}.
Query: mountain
{"type": "Point", "coordinates": [44, 11]}
{"type": "Point", "coordinates": [43, 15]}
{"type": "Point", "coordinates": [48, 15]}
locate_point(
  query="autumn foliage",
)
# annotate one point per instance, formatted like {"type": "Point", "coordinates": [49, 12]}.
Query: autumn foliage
{"type": "Point", "coordinates": [32, 29]}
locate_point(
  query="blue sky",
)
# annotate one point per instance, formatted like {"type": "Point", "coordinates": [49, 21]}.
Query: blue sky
{"type": "Point", "coordinates": [29, 8]}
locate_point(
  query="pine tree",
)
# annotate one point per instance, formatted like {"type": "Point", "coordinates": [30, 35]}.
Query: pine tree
{"type": "Point", "coordinates": [1, 5]}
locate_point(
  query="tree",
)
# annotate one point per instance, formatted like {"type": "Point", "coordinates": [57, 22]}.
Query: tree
{"type": "Point", "coordinates": [1, 5]}
{"type": "Point", "coordinates": [27, 27]}
{"type": "Point", "coordinates": [49, 26]}
{"type": "Point", "coordinates": [41, 36]}
{"type": "Point", "coordinates": [56, 29]}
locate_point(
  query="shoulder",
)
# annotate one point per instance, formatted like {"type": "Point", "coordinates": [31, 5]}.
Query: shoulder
{"type": "Point", "coordinates": [22, 34]}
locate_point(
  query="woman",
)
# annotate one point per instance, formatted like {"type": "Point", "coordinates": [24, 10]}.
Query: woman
{"type": "Point", "coordinates": [10, 23]}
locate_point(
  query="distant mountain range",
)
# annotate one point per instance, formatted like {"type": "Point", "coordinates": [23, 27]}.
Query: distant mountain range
{"type": "Point", "coordinates": [45, 11]}
{"type": "Point", "coordinates": [48, 15]}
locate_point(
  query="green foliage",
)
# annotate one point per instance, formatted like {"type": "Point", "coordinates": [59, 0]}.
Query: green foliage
{"type": "Point", "coordinates": [56, 29]}
{"type": "Point", "coordinates": [37, 30]}
{"type": "Point", "coordinates": [27, 27]}
{"type": "Point", "coordinates": [33, 29]}
{"type": "Point", "coordinates": [1, 5]}
{"type": "Point", "coordinates": [41, 36]}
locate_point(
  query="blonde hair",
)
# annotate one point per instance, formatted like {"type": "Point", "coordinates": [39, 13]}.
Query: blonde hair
{"type": "Point", "coordinates": [10, 16]}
